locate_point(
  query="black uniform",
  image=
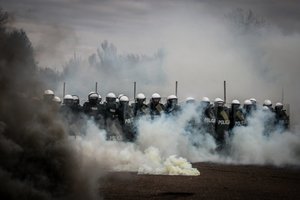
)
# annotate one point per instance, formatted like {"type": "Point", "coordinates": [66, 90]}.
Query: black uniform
{"type": "Point", "coordinates": [92, 110]}
{"type": "Point", "coordinates": [208, 119]}
{"type": "Point", "coordinates": [281, 118]}
{"type": "Point", "coordinates": [155, 109]}
{"type": "Point", "coordinates": [76, 107]}
{"type": "Point", "coordinates": [126, 119]}
{"type": "Point", "coordinates": [222, 125]}
{"type": "Point", "coordinates": [171, 107]}
{"type": "Point", "coordinates": [236, 116]}
{"type": "Point", "coordinates": [139, 109]}
{"type": "Point", "coordinates": [111, 120]}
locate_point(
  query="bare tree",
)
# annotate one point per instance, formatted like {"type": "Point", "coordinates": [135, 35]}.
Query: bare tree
{"type": "Point", "coordinates": [3, 17]}
{"type": "Point", "coordinates": [246, 20]}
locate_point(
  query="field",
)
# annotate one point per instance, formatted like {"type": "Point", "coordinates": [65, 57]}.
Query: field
{"type": "Point", "coordinates": [217, 181]}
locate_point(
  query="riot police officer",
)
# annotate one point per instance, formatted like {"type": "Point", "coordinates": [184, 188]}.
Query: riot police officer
{"type": "Point", "coordinates": [111, 106]}
{"type": "Point", "coordinates": [281, 117]}
{"type": "Point", "coordinates": [268, 103]}
{"type": "Point", "coordinates": [247, 108]}
{"type": "Point", "coordinates": [76, 108]}
{"type": "Point", "coordinates": [125, 116]}
{"type": "Point", "coordinates": [48, 97]}
{"type": "Point", "coordinates": [91, 108]}
{"type": "Point", "coordinates": [67, 103]}
{"type": "Point", "coordinates": [139, 107]}
{"type": "Point", "coordinates": [236, 115]}
{"type": "Point", "coordinates": [57, 100]}
{"type": "Point", "coordinates": [68, 116]}
{"type": "Point", "coordinates": [111, 120]}
{"type": "Point", "coordinates": [155, 107]}
{"type": "Point", "coordinates": [172, 107]}
{"type": "Point", "coordinates": [222, 122]}
{"type": "Point", "coordinates": [207, 116]}
{"type": "Point", "coordinates": [254, 104]}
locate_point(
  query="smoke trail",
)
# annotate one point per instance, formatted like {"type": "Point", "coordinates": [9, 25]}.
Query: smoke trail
{"type": "Point", "coordinates": [37, 159]}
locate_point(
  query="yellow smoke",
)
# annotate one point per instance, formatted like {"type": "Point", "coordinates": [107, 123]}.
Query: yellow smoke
{"type": "Point", "coordinates": [173, 165]}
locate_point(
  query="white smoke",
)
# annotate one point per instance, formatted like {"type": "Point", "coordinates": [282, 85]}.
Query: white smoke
{"type": "Point", "coordinates": [172, 135]}
{"type": "Point", "coordinates": [202, 48]}
{"type": "Point", "coordinates": [171, 166]}
{"type": "Point", "coordinates": [166, 146]}
{"type": "Point", "coordinates": [256, 145]}
{"type": "Point", "coordinates": [120, 156]}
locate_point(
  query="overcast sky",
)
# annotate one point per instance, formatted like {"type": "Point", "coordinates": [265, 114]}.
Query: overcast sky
{"type": "Point", "coordinates": [201, 50]}
{"type": "Point", "coordinates": [60, 27]}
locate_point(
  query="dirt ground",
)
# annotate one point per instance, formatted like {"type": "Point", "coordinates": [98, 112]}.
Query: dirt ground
{"type": "Point", "coordinates": [217, 181]}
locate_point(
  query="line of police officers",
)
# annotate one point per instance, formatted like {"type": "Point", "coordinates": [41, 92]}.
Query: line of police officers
{"type": "Point", "coordinates": [118, 117]}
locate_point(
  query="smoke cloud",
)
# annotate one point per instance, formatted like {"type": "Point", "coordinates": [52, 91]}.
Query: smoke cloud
{"type": "Point", "coordinates": [202, 43]}
{"type": "Point", "coordinates": [188, 42]}
{"type": "Point", "coordinates": [37, 159]}
{"type": "Point", "coordinates": [166, 145]}
{"type": "Point", "coordinates": [251, 45]}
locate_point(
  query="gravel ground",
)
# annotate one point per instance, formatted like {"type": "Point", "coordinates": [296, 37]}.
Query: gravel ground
{"type": "Point", "coordinates": [217, 181]}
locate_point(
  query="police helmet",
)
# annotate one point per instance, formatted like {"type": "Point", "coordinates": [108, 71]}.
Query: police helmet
{"type": "Point", "coordinates": [278, 106]}
{"type": "Point", "coordinates": [68, 100]}
{"type": "Point", "coordinates": [235, 101]}
{"type": "Point", "coordinates": [76, 99]}
{"type": "Point", "coordinates": [48, 95]}
{"type": "Point", "coordinates": [253, 100]}
{"type": "Point", "coordinates": [57, 99]}
{"type": "Point", "coordinates": [93, 95]}
{"type": "Point", "coordinates": [171, 97]}
{"type": "Point", "coordinates": [124, 99]}
{"type": "Point", "coordinates": [247, 102]}
{"type": "Point", "coordinates": [111, 97]}
{"type": "Point", "coordinates": [48, 92]}
{"type": "Point", "coordinates": [267, 102]}
{"type": "Point", "coordinates": [140, 96]}
{"type": "Point", "coordinates": [172, 100]}
{"type": "Point", "coordinates": [155, 96]}
{"type": "Point", "coordinates": [219, 100]}
{"type": "Point", "coordinates": [68, 96]}
{"type": "Point", "coordinates": [205, 99]}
